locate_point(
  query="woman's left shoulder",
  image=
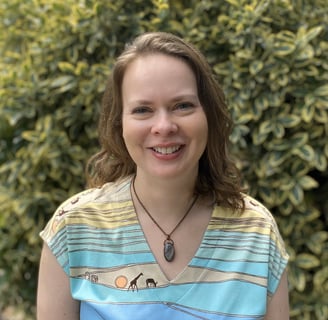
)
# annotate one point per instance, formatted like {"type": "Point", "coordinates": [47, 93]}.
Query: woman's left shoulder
{"type": "Point", "coordinates": [255, 207]}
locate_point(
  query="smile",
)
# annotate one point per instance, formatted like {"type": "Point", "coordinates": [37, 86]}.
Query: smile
{"type": "Point", "coordinates": [167, 150]}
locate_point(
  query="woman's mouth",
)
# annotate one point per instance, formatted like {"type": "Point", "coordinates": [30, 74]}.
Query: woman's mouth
{"type": "Point", "coordinates": [167, 150]}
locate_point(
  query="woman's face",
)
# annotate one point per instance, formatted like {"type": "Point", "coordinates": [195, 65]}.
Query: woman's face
{"type": "Point", "coordinates": [164, 125]}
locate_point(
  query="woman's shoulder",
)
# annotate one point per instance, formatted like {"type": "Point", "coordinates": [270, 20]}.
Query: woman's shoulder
{"type": "Point", "coordinates": [111, 192]}
{"type": "Point", "coordinates": [255, 206]}
{"type": "Point", "coordinates": [256, 219]}
{"type": "Point", "coordinates": [82, 207]}
{"type": "Point", "coordinates": [253, 211]}
{"type": "Point", "coordinates": [102, 199]}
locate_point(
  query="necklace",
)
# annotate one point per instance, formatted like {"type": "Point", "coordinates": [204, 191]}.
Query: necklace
{"type": "Point", "coordinates": [169, 250]}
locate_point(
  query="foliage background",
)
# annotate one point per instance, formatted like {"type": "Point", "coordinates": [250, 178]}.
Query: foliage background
{"type": "Point", "coordinates": [271, 57]}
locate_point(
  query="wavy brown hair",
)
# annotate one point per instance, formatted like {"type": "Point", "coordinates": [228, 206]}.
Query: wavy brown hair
{"type": "Point", "coordinates": [218, 175]}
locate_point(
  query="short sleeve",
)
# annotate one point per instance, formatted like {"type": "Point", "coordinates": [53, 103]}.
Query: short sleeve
{"type": "Point", "coordinates": [55, 236]}
{"type": "Point", "coordinates": [277, 254]}
{"type": "Point", "coordinates": [278, 259]}
{"type": "Point", "coordinates": [59, 233]}
{"type": "Point", "coordinates": [56, 232]}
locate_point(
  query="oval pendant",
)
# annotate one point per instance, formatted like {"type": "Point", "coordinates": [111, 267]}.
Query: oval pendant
{"type": "Point", "coordinates": [169, 250]}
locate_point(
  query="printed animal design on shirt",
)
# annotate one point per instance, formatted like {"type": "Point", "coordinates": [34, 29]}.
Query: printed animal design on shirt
{"type": "Point", "coordinates": [75, 200]}
{"type": "Point", "coordinates": [91, 277]}
{"type": "Point", "coordinates": [61, 212]}
{"type": "Point", "coordinates": [133, 283]}
{"type": "Point", "coordinates": [151, 283]}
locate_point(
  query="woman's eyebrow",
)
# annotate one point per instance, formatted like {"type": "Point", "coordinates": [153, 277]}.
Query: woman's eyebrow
{"type": "Point", "coordinates": [177, 98]}
{"type": "Point", "coordinates": [184, 97]}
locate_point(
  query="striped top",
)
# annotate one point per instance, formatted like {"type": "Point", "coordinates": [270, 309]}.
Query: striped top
{"type": "Point", "coordinates": [98, 241]}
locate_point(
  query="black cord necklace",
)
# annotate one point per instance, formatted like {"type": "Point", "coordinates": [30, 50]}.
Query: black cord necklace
{"type": "Point", "coordinates": [169, 250]}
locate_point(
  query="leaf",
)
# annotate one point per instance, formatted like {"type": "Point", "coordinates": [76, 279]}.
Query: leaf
{"type": "Point", "coordinates": [308, 113]}
{"type": "Point", "coordinates": [296, 195]}
{"type": "Point", "coordinates": [321, 116]}
{"type": "Point", "coordinates": [305, 152]}
{"type": "Point", "coordinates": [297, 278]}
{"type": "Point", "coordinates": [305, 54]}
{"type": "Point", "coordinates": [258, 138]}
{"type": "Point", "coordinates": [321, 91]}
{"type": "Point", "coordinates": [320, 236]}
{"type": "Point", "coordinates": [222, 69]}
{"type": "Point", "coordinates": [316, 134]}
{"type": "Point", "coordinates": [309, 100]}
{"type": "Point", "coordinates": [235, 3]}
{"type": "Point", "coordinates": [289, 120]}
{"type": "Point", "coordinates": [320, 161]}
{"type": "Point", "coordinates": [279, 145]}
{"type": "Point", "coordinates": [299, 168]}
{"type": "Point", "coordinates": [255, 67]}
{"type": "Point", "coordinates": [244, 118]}
{"type": "Point", "coordinates": [284, 43]}
{"type": "Point", "coordinates": [32, 136]}
{"type": "Point", "coordinates": [320, 276]}
{"type": "Point", "coordinates": [66, 66]}
{"type": "Point", "coordinates": [267, 195]}
{"type": "Point", "coordinates": [275, 99]}
{"type": "Point", "coordinates": [276, 158]}
{"type": "Point", "coordinates": [316, 242]}
{"type": "Point", "coordinates": [283, 49]}
{"type": "Point", "coordinates": [287, 228]}
{"type": "Point", "coordinates": [279, 130]}
{"type": "Point", "coordinates": [265, 127]}
{"type": "Point", "coordinates": [67, 87]}
{"type": "Point", "coordinates": [61, 81]}
{"type": "Point", "coordinates": [299, 139]}
{"type": "Point", "coordinates": [281, 197]}
{"type": "Point", "coordinates": [312, 33]}
{"type": "Point", "coordinates": [261, 103]}
{"type": "Point", "coordinates": [283, 80]}
{"type": "Point", "coordinates": [307, 261]}
{"type": "Point", "coordinates": [6, 130]}
{"type": "Point", "coordinates": [310, 214]}
{"type": "Point", "coordinates": [316, 248]}
{"type": "Point", "coordinates": [285, 183]}
{"type": "Point", "coordinates": [321, 311]}
{"type": "Point", "coordinates": [307, 182]}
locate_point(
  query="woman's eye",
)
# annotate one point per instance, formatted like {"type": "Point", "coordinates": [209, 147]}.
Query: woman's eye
{"type": "Point", "coordinates": [141, 110]}
{"type": "Point", "coordinates": [184, 106]}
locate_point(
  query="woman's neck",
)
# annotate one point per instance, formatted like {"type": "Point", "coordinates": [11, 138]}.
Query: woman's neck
{"type": "Point", "coordinates": [165, 197]}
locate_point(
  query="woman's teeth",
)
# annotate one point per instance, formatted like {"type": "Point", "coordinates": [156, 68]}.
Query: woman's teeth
{"type": "Point", "coordinates": [167, 150]}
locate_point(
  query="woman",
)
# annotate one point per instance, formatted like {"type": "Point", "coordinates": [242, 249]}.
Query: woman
{"type": "Point", "coordinates": [164, 232]}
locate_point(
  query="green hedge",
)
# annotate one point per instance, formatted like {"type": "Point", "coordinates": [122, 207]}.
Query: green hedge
{"type": "Point", "coordinates": [271, 57]}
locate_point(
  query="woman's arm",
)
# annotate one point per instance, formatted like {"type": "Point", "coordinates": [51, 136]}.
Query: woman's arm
{"type": "Point", "coordinates": [278, 306]}
{"type": "Point", "coordinates": [54, 300]}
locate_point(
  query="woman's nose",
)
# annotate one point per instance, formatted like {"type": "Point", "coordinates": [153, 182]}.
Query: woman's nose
{"type": "Point", "coordinates": [164, 124]}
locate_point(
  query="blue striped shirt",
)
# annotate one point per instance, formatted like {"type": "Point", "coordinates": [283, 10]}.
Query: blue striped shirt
{"type": "Point", "coordinates": [97, 239]}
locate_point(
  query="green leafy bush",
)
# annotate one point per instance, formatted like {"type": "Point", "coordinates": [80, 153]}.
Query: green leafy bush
{"type": "Point", "coordinates": [272, 60]}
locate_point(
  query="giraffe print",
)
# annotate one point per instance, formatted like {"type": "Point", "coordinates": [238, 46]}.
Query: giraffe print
{"type": "Point", "coordinates": [133, 283]}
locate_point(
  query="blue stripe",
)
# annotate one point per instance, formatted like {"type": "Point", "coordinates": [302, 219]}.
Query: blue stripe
{"type": "Point", "coordinates": [150, 311]}
{"type": "Point", "coordinates": [107, 260]}
{"type": "Point", "coordinates": [232, 292]}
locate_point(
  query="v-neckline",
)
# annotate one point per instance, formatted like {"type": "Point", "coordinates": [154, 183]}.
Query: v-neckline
{"type": "Point", "coordinates": [161, 272]}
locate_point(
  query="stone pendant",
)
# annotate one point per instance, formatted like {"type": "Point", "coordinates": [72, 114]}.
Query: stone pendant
{"type": "Point", "coordinates": [169, 250]}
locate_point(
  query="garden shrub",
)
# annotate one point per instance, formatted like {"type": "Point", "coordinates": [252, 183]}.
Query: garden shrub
{"type": "Point", "coordinates": [271, 57]}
